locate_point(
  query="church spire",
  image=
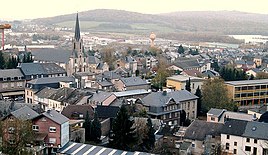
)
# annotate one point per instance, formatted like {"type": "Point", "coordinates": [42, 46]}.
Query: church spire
{"type": "Point", "coordinates": [77, 29]}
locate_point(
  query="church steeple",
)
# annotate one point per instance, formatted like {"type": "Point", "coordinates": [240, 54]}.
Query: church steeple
{"type": "Point", "coordinates": [77, 29]}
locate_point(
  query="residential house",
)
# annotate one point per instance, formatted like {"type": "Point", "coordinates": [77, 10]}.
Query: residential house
{"type": "Point", "coordinates": [76, 112]}
{"type": "Point", "coordinates": [35, 85]}
{"type": "Point", "coordinates": [96, 65]}
{"type": "Point", "coordinates": [131, 83]}
{"type": "Point", "coordinates": [243, 137]}
{"type": "Point", "coordinates": [204, 136]}
{"type": "Point", "coordinates": [12, 84]}
{"type": "Point", "coordinates": [129, 63]}
{"type": "Point", "coordinates": [53, 130]}
{"type": "Point", "coordinates": [185, 64]}
{"type": "Point", "coordinates": [168, 106]}
{"type": "Point", "coordinates": [178, 82]}
{"type": "Point", "coordinates": [101, 98]}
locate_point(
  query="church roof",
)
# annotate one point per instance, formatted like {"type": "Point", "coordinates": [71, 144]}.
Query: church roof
{"type": "Point", "coordinates": [77, 29]}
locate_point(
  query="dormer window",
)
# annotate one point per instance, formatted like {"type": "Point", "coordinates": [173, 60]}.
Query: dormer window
{"type": "Point", "coordinates": [4, 79]}
{"type": "Point", "coordinates": [19, 78]}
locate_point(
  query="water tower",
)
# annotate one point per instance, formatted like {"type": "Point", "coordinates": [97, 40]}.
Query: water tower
{"type": "Point", "coordinates": [152, 38]}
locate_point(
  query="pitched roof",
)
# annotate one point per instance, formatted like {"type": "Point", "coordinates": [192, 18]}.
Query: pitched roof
{"type": "Point", "coordinates": [131, 93]}
{"type": "Point", "coordinates": [59, 55]}
{"type": "Point", "coordinates": [47, 80]}
{"type": "Point", "coordinates": [133, 81]}
{"type": "Point", "coordinates": [159, 99]}
{"type": "Point", "coordinates": [46, 92]}
{"type": "Point", "coordinates": [192, 72]}
{"type": "Point", "coordinates": [198, 130]}
{"type": "Point", "coordinates": [216, 112]}
{"type": "Point", "coordinates": [77, 29]}
{"type": "Point", "coordinates": [257, 130]}
{"type": "Point", "coordinates": [100, 96]}
{"type": "Point", "coordinates": [70, 110]}
{"type": "Point", "coordinates": [93, 60]}
{"type": "Point", "coordinates": [10, 73]}
{"type": "Point", "coordinates": [247, 82]}
{"type": "Point", "coordinates": [55, 116]}
{"type": "Point", "coordinates": [24, 113]}
{"type": "Point", "coordinates": [187, 63]}
{"type": "Point", "coordinates": [107, 111]}
{"type": "Point", "coordinates": [234, 127]}
{"type": "Point", "coordinates": [41, 68]}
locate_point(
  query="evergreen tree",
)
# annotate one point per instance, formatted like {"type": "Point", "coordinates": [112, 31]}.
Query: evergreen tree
{"type": "Point", "coordinates": [181, 49]}
{"type": "Point", "coordinates": [215, 66]}
{"type": "Point", "coordinates": [123, 134]}
{"type": "Point", "coordinates": [188, 85]}
{"type": "Point", "coordinates": [182, 118]}
{"type": "Point", "coordinates": [199, 101]}
{"type": "Point", "coordinates": [87, 126]}
{"type": "Point", "coordinates": [2, 61]}
{"type": "Point", "coordinates": [95, 133]}
{"type": "Point", "coordinates": [150, 138]}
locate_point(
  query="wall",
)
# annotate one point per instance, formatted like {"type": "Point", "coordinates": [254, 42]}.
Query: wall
{"type": "Point", "coordinates": [64, 133]}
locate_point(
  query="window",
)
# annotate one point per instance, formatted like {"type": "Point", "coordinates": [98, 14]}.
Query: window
{"type": "Point", "coordinates": [235, 143]}
{"type": "Point", "coordinates": [247, 148]}
{"type": "Point", "coordinates": [248, 140]}
{"type": "Point", "coordinates": [227, 146]}
{"type": "Point", "coordinates": [35, 127]}
{"type": "Point", "coordinates": [193, 145]}
{"type": "Point", "coordinates": [254, 151]}
{"type": "Point", "coordinates": [19, 78]}
{"type": "Point", "coordinates": [11, 130]}
{"type": "Point", "coordinates": [43, 119]}
{"type": "Point", "coordinates": [52, 140]}
{"type": "Point", "coordinates": [255, 141]}
{"type": "Point", "coordinates": [11, 141]}
{"type": "Point", "coordinates": [52, 129]}
{"type": "Point", "coordinates": [4, 79]}
{"type": "Point", "coordinates": [169, 115]}
{"type": "Point", "coordinates": [188, 106]}
{"type": "Point", "coordinates": [235, 151]}
{"type": "Point", "coordinates": [212, 118]}
{"type": "Point", "coordinates": [12, 79]}
{"type": "Point", "coordinates": [176, 114]}
{"type": "Point", "coordinates": [164, 116]}
{"type": "Point", "coordinates": [228, 137]}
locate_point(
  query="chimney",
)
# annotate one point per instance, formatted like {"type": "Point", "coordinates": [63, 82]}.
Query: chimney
{"type": "Point", "coordinates": [164, 93]}
{"type": "Point", "coordinates": [48, 111]}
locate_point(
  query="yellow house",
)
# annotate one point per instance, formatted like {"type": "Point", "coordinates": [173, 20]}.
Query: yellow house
{"type": "Point", "coordinates": [178, 82]}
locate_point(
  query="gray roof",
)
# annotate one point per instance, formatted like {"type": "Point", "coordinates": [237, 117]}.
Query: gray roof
{"type": "Point", "coordinates": [24, 113]}
{"type": "Point", "coordinates": [131, 92]}
{"type": "Point", "coordinates": [10, 106]}
{"type": "Point", "coordinates": [59, 55]}
{"type": "Point", "coordinates": [82, 149]}
{"type": "Point", "coordinates": [257, 130]}
{"type": "Point", "coordinates": [199, 129]}
{"type": "Point", "coordinates": [32, 68]}
{"type": "Point", "coordinates": [158, 99]}
{"type": "Point", "coordinates": [133, 81]}
{"type": "Point", "coordinates": [215, 112]}
{"type": "Point", "coordinates": [62, 94]}
{"type": "Point", "coordinates": [105, 83]}
{"type": "Point", "coordinates": [100, 96]}
{"type": "Point", "coordinates": [55, 116]}
{"type": "Point", "coordinates": [41, 68]}
{"type": "Point", "coordinates": [234, 127]}
{"type": "Point", "coordinates": [247, 82]}
{"type": "Point", "coordinates": [46, 92]}
{"type": "Point", "coordinates": [77, 29]}
{"type": "Point", "coordinates": [187, 63]}
{"type": "Point", "coordinates": [51, 80]}
{"type": "Point", "coordinates": [10, 73]}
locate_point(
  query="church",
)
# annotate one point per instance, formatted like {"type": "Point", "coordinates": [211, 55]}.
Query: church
{"type": "Point", "coordinates": [78, 61]}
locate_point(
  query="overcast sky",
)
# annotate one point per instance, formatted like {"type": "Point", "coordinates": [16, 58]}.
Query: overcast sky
{"type": "Point", "coordinates": [28, 9]}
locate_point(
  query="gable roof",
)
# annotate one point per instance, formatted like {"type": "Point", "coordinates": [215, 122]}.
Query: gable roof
{"type": "Point", "coordinates": [55, 116]}
{"type": "Point", "coordinates": [187, 63]}
{"type": "Point", "coordinates": [234, 127]}
{"type": "Point", "coordinates": [159, 99]}
{"type": "Point", "coordinates": [47, 80]}
{"type": "Point", "coordinates": [133, 81]}
{"type": "Point", "coordinates": [198, 130]}
{"type": "Point", "coordinates": [24, 113]}
{"type": "Point", "coordinates": [41, 68]}
{"type": "Point", "coordinates": [107, 111]}
{"type": "Point", "coordinates": [4, 73]}
{"type": "Point", "coordinates": [257, 130]}
{"type": "Point", "coordinates": [59, 55]}
{"type": "Point", "coordinates": [46, 92]}
{"type": "Point", "coordinates": [78, 109]}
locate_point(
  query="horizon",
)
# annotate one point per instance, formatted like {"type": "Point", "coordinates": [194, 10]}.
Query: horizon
{"type": "Point", "coordinates": [29, 9]}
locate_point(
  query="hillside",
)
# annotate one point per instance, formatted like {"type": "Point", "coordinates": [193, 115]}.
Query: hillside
{"type": "Point", "coordinates": [188, 25]}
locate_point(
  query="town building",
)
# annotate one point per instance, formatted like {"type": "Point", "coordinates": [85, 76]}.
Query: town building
{"type": "Point", "coordinates": [53, 130]}
{"type": "Point", "coordinates": [131, 83]}
{"type": "Point", "coordinates": [12, 84]}
{"type": "Point", "coordinates": [168, 106]}
{"type": "Point", "coordinates": [242, 137]}
{"type": "Point", "coordinates": [178, 82]}
{"type": "Point", "coordinates": [248, 92]}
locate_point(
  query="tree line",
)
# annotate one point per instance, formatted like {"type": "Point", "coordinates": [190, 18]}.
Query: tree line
{"type": "Point", "coordinates": [13, 61]}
